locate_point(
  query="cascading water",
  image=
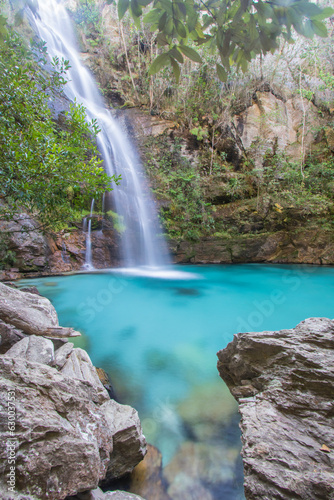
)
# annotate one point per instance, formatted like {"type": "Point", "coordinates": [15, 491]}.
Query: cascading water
{"type": "Point", "coordinates": [132, 199]}
{"type": "Point", "coordinates": [88, 257]}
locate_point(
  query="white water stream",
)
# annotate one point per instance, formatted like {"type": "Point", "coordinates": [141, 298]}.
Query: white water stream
{"type": "Point", "coordinates": [132, 199]}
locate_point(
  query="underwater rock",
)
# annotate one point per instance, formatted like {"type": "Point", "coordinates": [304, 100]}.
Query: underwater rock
{"type": "Point", "coordinates": [207, 410]}
{"type": "Point", "coordinates": [146, 478]}
{"type": "Point", "coordinates": [200, 469]}
{"type": "Point", "coordinates": [284, 383]}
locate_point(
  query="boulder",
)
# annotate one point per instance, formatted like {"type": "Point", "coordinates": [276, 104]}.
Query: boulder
{"type": "Point", "coordinates": [62, 439]}
{"type": "Point", "coordinates": [27, 311]}
{"type": "Point", "coordinates": [284, 382]}
{"type": "Point", "coordinates": [34, 348]}
{"type": "Point", "coordinates": [129, 441]}
{"type": "Point", "coordinates": [62, 354]}
{"type": "Point", "coordinates": [64, 424]}
{"type": "Point", "coordinates": [78, 365]}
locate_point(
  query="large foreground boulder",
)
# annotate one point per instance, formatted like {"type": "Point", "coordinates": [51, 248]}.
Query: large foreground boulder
{"type": "Point", "coordinates": [60, 433]}
{"type": "Point", "coordinates": [284, 382]}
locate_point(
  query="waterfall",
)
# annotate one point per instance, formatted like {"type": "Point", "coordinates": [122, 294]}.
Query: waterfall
{"type": "Point", "coordinates": [132, 199]}
{"type": "Point", "coordinates": [88, 257]}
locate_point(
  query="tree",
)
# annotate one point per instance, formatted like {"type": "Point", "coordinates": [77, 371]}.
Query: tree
{"type": "Point", "coordinates": [237, 30]}
{"type": "Point", "coordinates": [48, 167]}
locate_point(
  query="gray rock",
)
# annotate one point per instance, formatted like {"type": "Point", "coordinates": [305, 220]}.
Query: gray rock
{"type": "Point", "coordinates": [284, 382]}
{"type": "Point", "coordinates": [63, 442]}
{"type": "Point", "coordinates": [62, 354]}
{"type": "Point", "coordinates": [9, 336]}
{"type": "Point", "coordinates": [33, 348]}
{"type": "Point", "coordinates": [121, 495]}
{"type": "Point", "coordinates": [129, 441]}
{"type": "Point", "coordinates": [79, 366]}
{"type": "Point", "coordinates": [27, 311]}
{"type": "Point", "coordinates": [98, 494]}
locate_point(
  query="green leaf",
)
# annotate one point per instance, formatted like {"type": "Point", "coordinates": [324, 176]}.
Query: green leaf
{"type": "Point", "coordinates": [159, 63]}
{"type": "Point", "coordinates": [326, 12]}
{"type": "Point", "coordinates": [176, 69]}
{"type": "Point", "coordinates": [181, 29]}
{"type": "Point", "coordinates": [136, 9]}
{"type": "Point", "coordinates": [162, 21]}
{"type": "Point", "coordinates": [162, 40]}
{"type": "Point", "coordinates": [144, 3]}
{"type": "Point", "coordinates": [167, 5]}
{"type": "Point", "coordinates": [122, 7]}
{"type": "Point", "coordinates": [319, 28]}
{"type": "Point", "coordinates": [176, 54]}
{"type": "Point", "coordinates": [182, 8]}
{"type": "Point", "coordinates": [190, 53]}
{"type": "Point", "coordinates": [153, 16]}
{"type": "Point", "coordinates": [222, 75]}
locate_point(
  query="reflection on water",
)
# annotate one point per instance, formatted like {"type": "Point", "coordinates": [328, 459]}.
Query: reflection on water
{"type": "Point", "coordinates": [158, 338]}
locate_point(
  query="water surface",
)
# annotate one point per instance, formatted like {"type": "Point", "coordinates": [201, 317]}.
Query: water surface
{"type": "Point", "coordinates": [158, 338]}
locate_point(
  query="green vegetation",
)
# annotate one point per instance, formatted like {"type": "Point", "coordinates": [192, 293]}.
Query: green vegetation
{"type": "Point", "coordinates": [225, 203]}
{"type": "Point", "coordinates": [237, 30]}
{"type": "Point", "coordinates": [184, 213]}
{"type": "Point", "coordinates": [49, 166]}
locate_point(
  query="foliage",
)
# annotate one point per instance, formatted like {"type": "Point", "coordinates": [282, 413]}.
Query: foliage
{"type": "Point", "coordinates": [46, 167]}
{"type": "Point", "coordinates": [87, 15]}
{"type": "Point", "coordinates": [7, 256]}
{"type": "Point", "coordinates": [184, 213]}
{"type": "Point", "coordinates": [236, 30]}
{"type": "Point", "coordinates": [118, 221]}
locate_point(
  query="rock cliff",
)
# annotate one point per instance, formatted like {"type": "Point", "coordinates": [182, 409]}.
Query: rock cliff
{"type": "Point", "coordinates": [284, 383]}
{"type": "Point", "coordinates": [61, 434]}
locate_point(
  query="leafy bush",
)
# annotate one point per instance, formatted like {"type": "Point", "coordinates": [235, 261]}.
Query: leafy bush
{"type": "Point", "coordinates": [46, 167]}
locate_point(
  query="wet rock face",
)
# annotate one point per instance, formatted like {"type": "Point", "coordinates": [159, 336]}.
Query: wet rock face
{"type": "Point", "coordinates": [284, 382]}
{"type": "Point", "coordinates": [303, 247]}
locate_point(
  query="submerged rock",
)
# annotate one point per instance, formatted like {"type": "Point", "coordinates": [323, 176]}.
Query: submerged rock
{"type": "Point", "coordinates": [200, 470]}
{"type": "Point", "coordinates": [284, 382]}
{"type": "Point", "coordinates": [146, 478]}
{"type": "Point", "coordinates": [207, 410]}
